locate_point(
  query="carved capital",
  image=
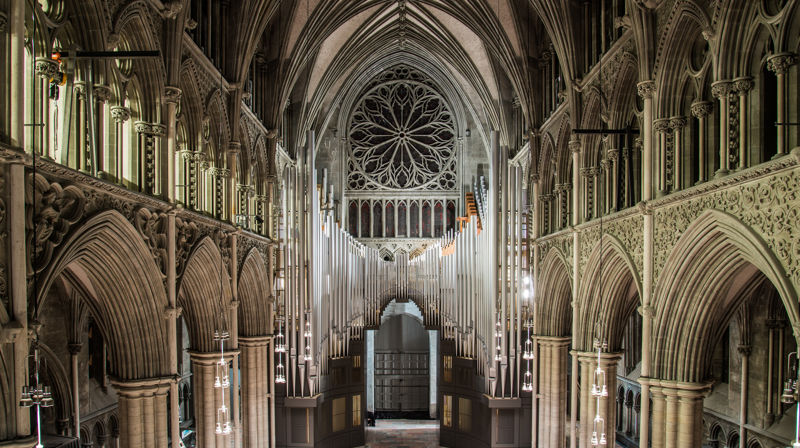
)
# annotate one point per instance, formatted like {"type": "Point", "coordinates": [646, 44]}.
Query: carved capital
{"type": "Point", "coordinates": [74, 348]}
{"type": "Point", "coordinates": [102, 93]}
{"type": "Point", "coordinates": [646, 89]}
{"type": "Point", "coordinates": [646, 311]}
{"type": "Point", "coordinates": [120, 114]}
{"type": "Point", "coordinates": [743, 85]}
{"type": "Point", "coordinates": [575, 146]}
{"type": "Point", "coordinates": [720, 89]}
{"type": "Point", "coordinates": [701, 109]}
{"type": "Point", "coordinates": [780, 63]}
{"type": "Point", "coordinates": [661, 125]}
{"type": "Point", "coordinates": [744, 350]}
{"type": "Point", "coordinates": [172, 95]}
{"type": "Point", "coordinates": [150, 129]}
{"type": "Point", "coordinates": [3, 22]}
{"type": "Point", "coordinates": [171, 9]}
{"type": "Point", "coordinates": [612, 154]}
{"type": "Point", "coordinates": [677, 122]}
{"type": "Point", "coordinates": [46, 68]}
{"type": "Point", "coordinates": [586, 172]}
{"type": "Point", "coordinates": [80, 89]}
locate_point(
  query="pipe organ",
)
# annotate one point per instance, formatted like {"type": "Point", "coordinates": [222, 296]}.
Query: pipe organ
{"type": "Point", "coordinates": [469, 283]}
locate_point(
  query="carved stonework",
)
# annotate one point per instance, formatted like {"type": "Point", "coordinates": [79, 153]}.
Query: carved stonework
{"type": "Point", "coordinates": [187, 233]}
{"type": "Point", "coordinates": [102, 93]}
{"type": "Point", "coordinates": [153, 228]}
{"type": "Point", "coordinates": [702, 109]}
{"type": "Point", "coordinates": [721, 88]}
{"type": "Point", "coordinates": [120, 114]}
{"type": "Point", "coordinates": [46, 68]}
{"type": "Point", "coordinates": [172, 95]}
{"type": "Point", "coordinates": [771, 207]}
{"type": "Point", "coordinates": [56, 210]}
{"type": "Point", "coordinates": [646, 89]}
{"type": "Point", "coordinates": [150, 129]}
{"type": "Point", "coordinates": [743, 85]}
{"type": "Point", "coordinates": [3, 22]}
{"type": "Point", "coordinates": [780, 63]}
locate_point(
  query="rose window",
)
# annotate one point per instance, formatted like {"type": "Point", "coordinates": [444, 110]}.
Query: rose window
{"type": "Point", "coordinates": [402, 137]}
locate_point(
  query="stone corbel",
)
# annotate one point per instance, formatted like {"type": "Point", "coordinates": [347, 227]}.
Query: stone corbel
{"type": "Point", "coordinates": [172, 312]}
{"type": "Point", "coordinates": [10, 332]}
{"type": "Point", "coordinates": [120, 114]}
{"type": "Point", "coordinates": [102, 93]}
{"type": "Point", "coordinates": [46, 68]}
{"type": "Point", "coordinates": [172, 95]}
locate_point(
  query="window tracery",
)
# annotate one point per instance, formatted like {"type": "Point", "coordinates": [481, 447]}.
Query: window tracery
{"type": "Point", "coordinates": [402, 135]}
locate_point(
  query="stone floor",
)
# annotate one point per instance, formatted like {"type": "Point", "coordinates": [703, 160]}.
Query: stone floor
{"type": "Point", "coordinates": [403, 434]}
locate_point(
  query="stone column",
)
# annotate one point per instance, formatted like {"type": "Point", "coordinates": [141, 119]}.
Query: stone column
{"type": "Point", "coordinates": [172, 97]}
{"type": "Point", "coordinates": [701, 110]}
{"type": "Point", "coordinates": [171, 315]}
{"type": "Point", "coordinates": [45, 69]}
{"type": "Point", "coordinates": [613, 158]}
{"type": "Point", "coordinates": [661, 126]}
{"type": "Point", "coordinates": [552, 411]}
{"type": "Point", "coordinates": [149, 134]}
{"type": "Point", "coordinates": [101, 94]}
{"type": "Point", "coordinates": [588, 405]}
{"type": "Point", "coordinates": [74, 351]}
{"type": "Point", "coordinates": [742, 86]}
{"type": "Point", "coordinates": [143, 412]}
{"type": "Point", "coordinates": [234, 148]}
{"type": "Point", "coordinates": [721, 90]}
{"type": "Point", "coordinates": [744, 351]}
{"type": "Point", "coordinates": [780, 63]}
{"type": "Point", "coordinates": [676, 125]}
{"type": "Point", "coordinates": [207, 399]}
{"type": "Point", "coordinates": [646, 90]}
{"type": "Point", "coordinates": [80, 143]}
{"type": "Point", "coordinates": [255, 391]}
{"type": "Point", "coordinates": [120, 115]}
{"type": "Point", "coordinates": [677, 413]}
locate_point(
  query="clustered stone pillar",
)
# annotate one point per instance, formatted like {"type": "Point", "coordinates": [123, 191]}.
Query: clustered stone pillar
{"type": "Point", "coordinates": [646, 90]}
{"type": "Point", "coordinates": [552, 390]}
{"type": "Point", "coordinates": [677, 413]}
{"type": "Point", "coordinates": [255, 391]}
{"type": "Point", "coordinates": [143, 412]}
{"type": "Point", "coordinates": [588, 405]}
{"type": "Point", "coordinates": [207, 398]}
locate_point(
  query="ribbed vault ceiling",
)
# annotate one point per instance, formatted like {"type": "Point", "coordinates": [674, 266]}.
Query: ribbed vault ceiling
{"type": "Point", "coordinates": [317, 49]}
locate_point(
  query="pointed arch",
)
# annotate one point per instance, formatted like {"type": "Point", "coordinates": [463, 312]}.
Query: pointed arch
{"type": "Point", "coordinates": [256, 296]}
{"type": "Point", "coordinates": [698, 292]}
{"type": "Point", "coordinates": [554, 296]}
{"type": "Point", "coordinates": [128, 297]}
{"type": "Point", "coordinates": [204, 293]}
{"type": "Point", "coordinates": [609, 292]}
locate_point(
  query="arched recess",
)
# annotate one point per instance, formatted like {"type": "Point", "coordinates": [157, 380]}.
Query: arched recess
{"type": "Point", "coordinates": [108, 256]}
{"type": "Point", "coordinates": [255, 297]}
{"type": "Point", "coordinates": [608, 294]}
{"type": "Point", "coordinates": [698, 292]}
{"type": "Point", "coordinates": [554, 296]}
{"type": "Point", "coordinates": [204, 293]}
